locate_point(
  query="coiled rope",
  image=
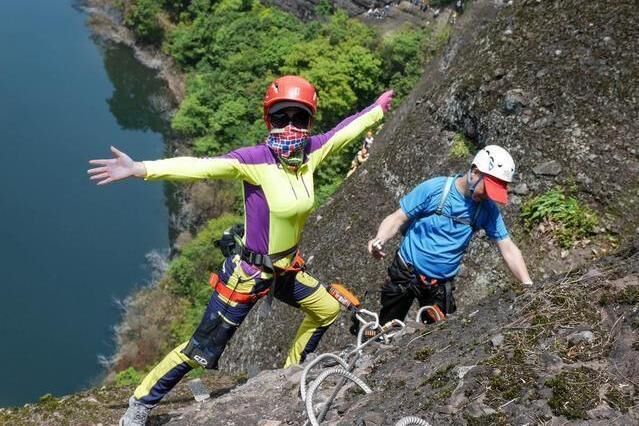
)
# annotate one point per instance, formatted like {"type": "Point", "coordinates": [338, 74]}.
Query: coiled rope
{"type": "Point", "coordinates": [386, 332]}
{"type": "Point", "coordinates": [318, 381]}
{"type": "Point", "coordinates": [312, 364]}
{"type": "Point", "coordinates": [412, 421]}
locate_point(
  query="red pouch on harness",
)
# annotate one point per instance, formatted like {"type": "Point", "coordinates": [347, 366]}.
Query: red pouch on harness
{"type": "Point", "coordinates": [213, 280]}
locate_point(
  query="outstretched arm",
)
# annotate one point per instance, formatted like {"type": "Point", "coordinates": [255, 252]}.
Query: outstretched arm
{"type": "Point", "coordinates": [514, 260]}
{"type": "Point", "coordinates": [230, 166]}
{"type": "Point", "coordinates": [346, 131]}
{"type": "Point", "coordinates": [387, 230]}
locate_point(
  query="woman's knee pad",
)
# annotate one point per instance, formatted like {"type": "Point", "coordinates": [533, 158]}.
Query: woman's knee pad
{"type": "Point", "coordinates": [209, 341]}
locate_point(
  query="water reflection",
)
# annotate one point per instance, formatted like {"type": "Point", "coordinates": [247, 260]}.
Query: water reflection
{"type": "Point", "coordinates": [140, 101]}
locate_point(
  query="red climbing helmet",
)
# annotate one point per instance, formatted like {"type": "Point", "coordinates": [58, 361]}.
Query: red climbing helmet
{"type": "Point", "coordinates": [290, 90]}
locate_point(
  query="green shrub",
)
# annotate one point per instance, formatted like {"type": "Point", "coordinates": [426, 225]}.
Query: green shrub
{"type": "Point", "coordinates": [566, 217]}
{"type": "Point", "coordinates": [128, 377]}
{"type": "Point", "coordinates": [461, 147]}
{"type": "Point", "coordinates": [324, 8]}
{"type": "Point", "coordinates": [142, 17]}
{"type": "Point", "coordinates": [403, 54]}
{"type": "Point", "coordinates": [48, 402]}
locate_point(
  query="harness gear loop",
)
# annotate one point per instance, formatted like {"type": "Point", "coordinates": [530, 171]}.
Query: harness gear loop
{"type": "Point", "coordinates": [344, 296]}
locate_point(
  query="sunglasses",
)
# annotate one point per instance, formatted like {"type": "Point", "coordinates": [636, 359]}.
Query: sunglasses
{"type": "Point", "coordinates": [297, 117]}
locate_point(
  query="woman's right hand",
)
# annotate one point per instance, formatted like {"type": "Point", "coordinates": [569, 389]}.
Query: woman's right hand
{"type": "Point", "coordinates": [385, 100]}
{"type": "Point", "coordinates": [114, 169]}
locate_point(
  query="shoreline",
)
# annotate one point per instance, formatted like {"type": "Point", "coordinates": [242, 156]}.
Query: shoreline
{"type": "Point", "coordinates": [105, 23]}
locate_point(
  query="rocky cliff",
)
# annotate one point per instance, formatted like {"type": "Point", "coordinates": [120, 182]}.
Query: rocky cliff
{"type": "Point", "coordinates": [555, 83]}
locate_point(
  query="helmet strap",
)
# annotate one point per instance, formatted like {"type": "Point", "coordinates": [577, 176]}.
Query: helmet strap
{"type": "Point", "coordinates": [469, 182]}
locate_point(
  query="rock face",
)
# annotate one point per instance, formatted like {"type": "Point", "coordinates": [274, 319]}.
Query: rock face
{"type": "Point", "coordinates": [576, 109]}
{"type": "Point", "coordinates": [457, 373]}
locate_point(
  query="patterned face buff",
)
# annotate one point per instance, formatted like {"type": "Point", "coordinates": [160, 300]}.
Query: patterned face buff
{"type": "Point", "coordinates": [288, 144]}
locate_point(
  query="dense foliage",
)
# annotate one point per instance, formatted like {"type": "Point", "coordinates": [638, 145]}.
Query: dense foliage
{"type": "Point", "coordinates": [232, 49]}
{"type": "Point", "coordinates": [561, 214]}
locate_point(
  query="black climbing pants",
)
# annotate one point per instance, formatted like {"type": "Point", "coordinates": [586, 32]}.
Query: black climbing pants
{"type": "Point", "coordinates": [403, 286]}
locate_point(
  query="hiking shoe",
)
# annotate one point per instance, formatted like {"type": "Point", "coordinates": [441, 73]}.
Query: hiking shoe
{"type": "Point", "coordinates": [136, 414]}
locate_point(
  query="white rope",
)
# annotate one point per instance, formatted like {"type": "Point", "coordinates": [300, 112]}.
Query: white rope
{"type": "Point", "coordinates": [313, 364]}
{"type": "Point", "coordinates": [389, 330]}
{"type": "Point", "coordinates": [412, 421]}
{"type": "Point", "coordinates": [318, 381]}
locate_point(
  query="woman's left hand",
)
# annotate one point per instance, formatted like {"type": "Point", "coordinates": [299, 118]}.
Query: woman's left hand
{"type": "Point", "coordinates": [385, 100]}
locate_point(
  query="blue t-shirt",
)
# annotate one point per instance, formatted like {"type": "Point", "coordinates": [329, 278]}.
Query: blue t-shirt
{"type": "Point", "coordinates": [435, 244]}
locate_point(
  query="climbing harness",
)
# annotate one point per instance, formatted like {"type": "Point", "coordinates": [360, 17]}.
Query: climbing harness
{"type": "Point", "coordinates": [234, 295]}
{"type": "Point", "coordinates": [231, 243]}
{"type": "Point", "coordinates": [419, 282]}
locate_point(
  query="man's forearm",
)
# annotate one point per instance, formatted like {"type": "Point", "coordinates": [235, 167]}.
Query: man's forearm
{"type": "Point", "coordinates": [388, 228]}
{"type": "Point", "coordinates": [515, 262]}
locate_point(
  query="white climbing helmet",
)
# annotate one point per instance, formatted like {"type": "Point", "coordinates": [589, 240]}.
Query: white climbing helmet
{"type": "Point", "coordinates": [495, 161]}
{"type": "Point", "coordinates": [498, 168]}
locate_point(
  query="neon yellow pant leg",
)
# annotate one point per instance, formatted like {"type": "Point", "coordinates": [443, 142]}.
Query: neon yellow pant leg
{"type": "Point", "coordinates": [164, 376]}
{"type": "Point", "coordinates": [320, 310]}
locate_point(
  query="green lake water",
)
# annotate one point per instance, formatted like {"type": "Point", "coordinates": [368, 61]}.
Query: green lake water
{"type": "Point", "coordinates": [69, 250]}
